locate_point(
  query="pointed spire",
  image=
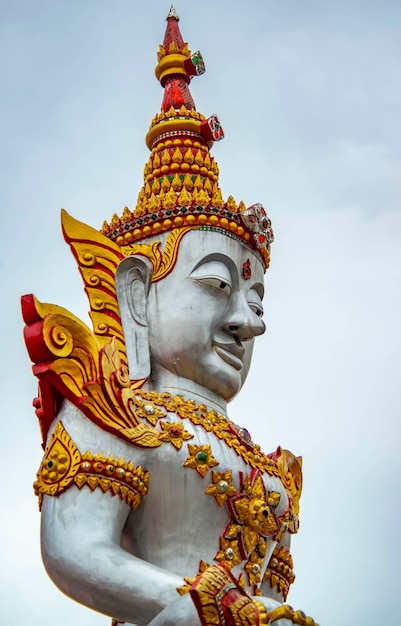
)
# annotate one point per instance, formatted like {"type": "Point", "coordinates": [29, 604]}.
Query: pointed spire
{"type": "Point", "coordinates": [173, 41]}
{"type": "Point", "coordinates": [171, 70]}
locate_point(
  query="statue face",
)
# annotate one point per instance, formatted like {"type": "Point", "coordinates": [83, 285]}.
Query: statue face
{"type": "Point", "coordinates": [204, 315]}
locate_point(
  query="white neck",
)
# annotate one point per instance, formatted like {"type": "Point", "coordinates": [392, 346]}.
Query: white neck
{"type": "Point", "coordinates": [165, 381]}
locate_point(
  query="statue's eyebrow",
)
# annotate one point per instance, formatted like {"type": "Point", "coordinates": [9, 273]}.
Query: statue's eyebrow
{"type": "Point", "coordinates": [259, 288]}
{"type": "Point", "coordinates": [216, 257]}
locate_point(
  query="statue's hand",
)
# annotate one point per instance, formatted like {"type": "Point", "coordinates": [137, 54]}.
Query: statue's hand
{"type": "Point", "coordinates": [270, 605]}
{"type": "Point", "coordinates": [181, 612]}
{"type": "Point", "coordinates": [282, 614]}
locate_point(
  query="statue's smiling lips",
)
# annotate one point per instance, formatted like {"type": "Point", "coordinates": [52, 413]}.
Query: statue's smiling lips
{"type": "Point", "coordinates": [231, 353]}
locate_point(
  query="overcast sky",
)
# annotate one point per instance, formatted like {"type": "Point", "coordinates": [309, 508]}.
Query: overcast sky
{"type": "Point", "coordinates": [308, 93]}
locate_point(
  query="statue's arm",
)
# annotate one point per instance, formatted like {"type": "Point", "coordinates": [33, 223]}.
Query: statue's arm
{"type": "Point", "coordinates": [81, 531]}
{"type": "Point", "coordinates": [81, 534]}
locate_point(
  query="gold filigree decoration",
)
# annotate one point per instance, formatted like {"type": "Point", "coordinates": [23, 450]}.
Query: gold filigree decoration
{"type": "Point", "coordinates": [222, 487]}
{"type": "Point", "coordinates": [174, 433]}
{"type": "Point", "coordinates": [219, 598]}
{"type": "Point", "coordinates": [59, 466]}
{"type": "Point", "coordinates": [279, 571]}
{"type": "Point", "coordinates": [212, 422]}
{"type": "Point", "coordinates": [253, 566]}
{"type": "Point", "coordinates": [253, 520]}
{"type": "Point", "coordinates": [97, 257]}
{"type": "Point", "coordinates": [200, 459]}
{"type": "Point", "coordinates": [290, 467]}
{"type": "Point", "coordinates": [148, 411]}
{"type": "Point", "coordinates": [229, 553]}
{"type": "Point", "coordinates": [252, 508]}
{"type": "Point", "coordinates": [184, 589]}
{"type": "Point", "coordinates": [63, 465]}
{"type": "Point", "coordinates": [67, 358]}
{"type": "Point", "coordinates": [162, 264]}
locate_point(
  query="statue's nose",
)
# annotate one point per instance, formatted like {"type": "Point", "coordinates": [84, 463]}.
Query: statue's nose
{"type": "Point", "coordinates": [241, 321]}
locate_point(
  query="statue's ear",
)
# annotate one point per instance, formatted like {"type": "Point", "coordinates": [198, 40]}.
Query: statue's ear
{"type": "Point", "coordinates": [132, 285]}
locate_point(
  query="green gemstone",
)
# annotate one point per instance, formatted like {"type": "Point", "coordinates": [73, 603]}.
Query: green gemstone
{"type": "Point", "coordinates": [50, 464]}
{"type": "Point", "coordinates": [202, 457]}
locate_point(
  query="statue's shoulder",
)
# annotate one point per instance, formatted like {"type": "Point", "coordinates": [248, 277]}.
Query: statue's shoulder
{"type": "Point", "coordinates": [80, 454]}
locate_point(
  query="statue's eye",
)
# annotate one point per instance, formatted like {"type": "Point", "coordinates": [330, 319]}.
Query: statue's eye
{"type": "Point", "coordinates": [217, 283]}
{"type": "Point", "coordinates": [257, 310]}
{"type": "Point", "coordinates": [255, 303]}
{"type": "Point", "coordinates": [214, 274]}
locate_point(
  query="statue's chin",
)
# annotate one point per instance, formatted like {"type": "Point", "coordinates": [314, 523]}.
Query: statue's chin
{"type": "Point", "coordinates": [216, 379]}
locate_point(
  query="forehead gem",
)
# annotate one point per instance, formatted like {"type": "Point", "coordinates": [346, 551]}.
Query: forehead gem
{"type": "Point", "coordinates": [246, 270]}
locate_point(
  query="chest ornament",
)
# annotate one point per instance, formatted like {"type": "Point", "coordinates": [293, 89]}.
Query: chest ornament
{"type": "Point", "coordinates": [251, 511]}
{"type": "Point", "coordinates": [221, 487]}
{"type": "Point", "coordinates": [63, 465]}
{"type": "Point", "coordinates": [200, 459]}
{"type": "Point", "coordinates": [234, 436]}
{"type": "Point", "coordinates": [252, 522]}
{"type": "Point", "coordinates": [174, 433]}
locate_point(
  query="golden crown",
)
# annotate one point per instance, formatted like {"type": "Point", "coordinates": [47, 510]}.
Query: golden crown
{"type": "Point", "coordinates": [181, 178]}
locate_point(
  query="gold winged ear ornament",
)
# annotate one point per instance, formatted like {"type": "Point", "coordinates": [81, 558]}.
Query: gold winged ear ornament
{"type": "Point", "coordinates": [116, 281]}
{"type": "Point", "coordinates": [89, 367]}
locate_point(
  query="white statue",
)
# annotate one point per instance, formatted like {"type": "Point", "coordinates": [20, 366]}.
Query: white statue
{"type": "Point", "coordinates": [146, 487]}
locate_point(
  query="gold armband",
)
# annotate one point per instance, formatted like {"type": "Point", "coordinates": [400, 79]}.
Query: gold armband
{"type": "Point", "coordinates": [63, 465]}
{"type": "Point", "coordinates": [287, 612]}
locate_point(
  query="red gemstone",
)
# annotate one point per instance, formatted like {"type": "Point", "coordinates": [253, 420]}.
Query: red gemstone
{"type": "Point", "coordinates": [246, 270]}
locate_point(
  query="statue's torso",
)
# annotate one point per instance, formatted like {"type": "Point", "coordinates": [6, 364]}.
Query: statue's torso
{"type": "Point", "coordinates": [177, 524]}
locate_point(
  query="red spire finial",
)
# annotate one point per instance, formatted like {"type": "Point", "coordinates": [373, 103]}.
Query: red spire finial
{"type": "Point", "coordinates": [171, 70]}
{"type": "Point", "coordinates": [173, 41]}
{"type": "Point", "coordinates": [175, 69]}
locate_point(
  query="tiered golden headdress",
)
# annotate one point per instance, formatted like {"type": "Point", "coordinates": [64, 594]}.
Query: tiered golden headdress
{"type": "Point", "coordinates": [180, 193]}
{"type": "Point", "coordinates": [181, 178]}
